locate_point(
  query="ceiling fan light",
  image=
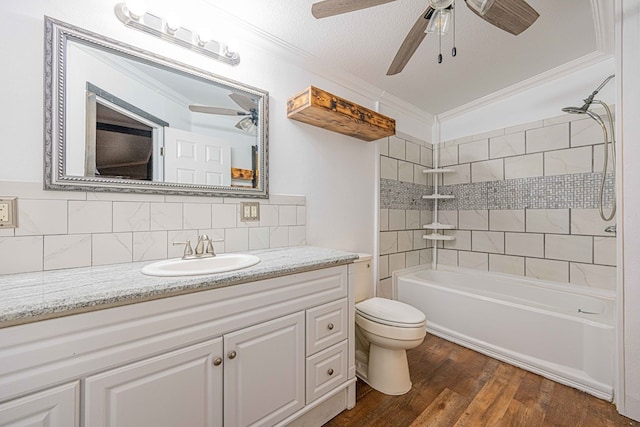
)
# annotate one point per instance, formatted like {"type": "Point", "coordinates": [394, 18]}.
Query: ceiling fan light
{"type": "Point", "coordinates": [440, 4]}
{"type": "Point", "coordinates": [246, 125]}
{"type": "Point", "coordinates": [439, 22]}
{"type": "Point", "coordinates": [480, 6]}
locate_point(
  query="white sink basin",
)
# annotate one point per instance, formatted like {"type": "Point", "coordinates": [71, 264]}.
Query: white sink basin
{"type": "Point", "coordinates": [193, 267]}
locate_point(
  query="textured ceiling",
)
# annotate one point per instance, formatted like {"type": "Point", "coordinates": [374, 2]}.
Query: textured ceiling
{"type": "Point", "coordinates": [364, 42]}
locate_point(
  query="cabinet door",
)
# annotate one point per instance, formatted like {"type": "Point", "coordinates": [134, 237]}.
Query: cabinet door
{"type": "Point", "coordinates": [264, 372]}
{"type": "Point", "coordinates": [56, 407]}
{"type": "Point", "coordinates": [180, 388]}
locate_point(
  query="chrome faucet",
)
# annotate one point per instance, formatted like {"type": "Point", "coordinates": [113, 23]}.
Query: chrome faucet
{"type": "Point", "coordinates": [204, 248]}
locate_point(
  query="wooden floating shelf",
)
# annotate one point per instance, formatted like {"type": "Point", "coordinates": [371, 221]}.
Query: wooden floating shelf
{"type": "Point", "coordinates": [438, 226]}
{"type": "Point", "coordinates": [436, 236]}
{"type": "Point", "coordinates": [320, 108]}
{"type": "Point", "coordinates": [439, 196]}
{"type": "Point", "coordinates": [438, 170]}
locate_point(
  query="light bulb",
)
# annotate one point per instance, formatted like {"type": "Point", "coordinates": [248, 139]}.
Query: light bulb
{"type": "Point", "coordinates": [439, 22]}
{"type": "Point", "coordinates": [137, 8]}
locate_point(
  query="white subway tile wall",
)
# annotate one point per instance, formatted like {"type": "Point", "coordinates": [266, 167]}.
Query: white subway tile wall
{"type": "Point", "coordinates": [403, 212]}
{"type": "Point", "coordinates": [526, 203]}
{"type": "Point", "coordinates": [68, 229]}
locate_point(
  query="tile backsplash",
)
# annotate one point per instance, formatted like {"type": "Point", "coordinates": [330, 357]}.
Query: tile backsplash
{"type": "Point", "coordinates": [75, 229]}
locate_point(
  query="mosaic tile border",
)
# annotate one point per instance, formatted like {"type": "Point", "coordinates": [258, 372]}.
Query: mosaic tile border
{"type": "Point", "coordinates": [404, 195]}
{"type": "Point", "coordinates": [579, 191]}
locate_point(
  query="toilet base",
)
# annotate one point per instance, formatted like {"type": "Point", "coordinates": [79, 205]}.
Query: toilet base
{"type": "Point", "coordinates": [388, 370]}
{"type": "Point", "coordinates": [385, 370]}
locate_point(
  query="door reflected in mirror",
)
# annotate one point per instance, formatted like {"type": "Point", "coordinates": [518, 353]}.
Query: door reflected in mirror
{"type": "Point", "coordinates": [129, 120]}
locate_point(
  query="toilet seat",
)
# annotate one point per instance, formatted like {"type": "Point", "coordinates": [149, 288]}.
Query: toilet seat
{"type": "Point", "coordinates": [391, 313]}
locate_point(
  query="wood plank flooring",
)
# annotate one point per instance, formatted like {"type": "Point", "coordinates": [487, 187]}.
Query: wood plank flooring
{"type": "Point", "coordinates": [455, 386]}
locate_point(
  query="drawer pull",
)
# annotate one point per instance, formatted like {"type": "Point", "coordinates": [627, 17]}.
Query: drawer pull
{"type": "Point", "coordinates": [217, 361]}
{"type": "Point", "coordinates": [330, 371]}
{"type": "Point", "coordinates": [232, 354]}
{"type": "Point", "coordinates": [330, 326]}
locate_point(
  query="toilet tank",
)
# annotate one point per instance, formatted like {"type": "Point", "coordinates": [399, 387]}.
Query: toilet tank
{"type": "Point", "coordinates": [360, 274]}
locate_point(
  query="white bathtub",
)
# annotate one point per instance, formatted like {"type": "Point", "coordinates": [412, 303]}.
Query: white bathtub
{"type": "Point", "coordinates": [561, 332]}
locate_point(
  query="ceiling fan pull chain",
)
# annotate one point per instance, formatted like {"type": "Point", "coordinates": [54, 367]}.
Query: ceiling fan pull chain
{"type": "Point", "coordinates": [439, 47]}
{"type": "Point", "coordinates": [454, 51]}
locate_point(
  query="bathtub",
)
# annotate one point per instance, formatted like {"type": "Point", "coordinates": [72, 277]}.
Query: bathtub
{"type": "Point", "coordinates": [561, 332]}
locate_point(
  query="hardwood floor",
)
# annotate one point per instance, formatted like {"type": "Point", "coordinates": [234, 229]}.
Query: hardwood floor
{"type": "Point", "coordinates": [455, 386]}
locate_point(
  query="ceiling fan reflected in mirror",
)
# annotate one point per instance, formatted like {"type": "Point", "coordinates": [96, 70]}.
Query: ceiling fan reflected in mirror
{"type": "Point", "coordinates": [512, 16]}
{"type": "Point", "coordinates": [249, 112]}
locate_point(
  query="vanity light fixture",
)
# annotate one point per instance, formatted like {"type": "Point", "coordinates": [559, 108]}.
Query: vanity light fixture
{"type": "Point", "coordinates": [133, 14]}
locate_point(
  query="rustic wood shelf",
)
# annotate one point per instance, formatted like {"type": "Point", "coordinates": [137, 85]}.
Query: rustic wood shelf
{"type": "Point", "coordinates": [320, 108]}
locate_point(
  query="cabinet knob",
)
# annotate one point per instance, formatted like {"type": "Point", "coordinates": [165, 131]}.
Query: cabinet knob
{"type": "Point", "coordinates": [217, 361]}
{"type": "Point", "coordinates": [330, 371]}
{"type": "Point", "coordinates": [232, 354]}
{"type": "Point", "coordinates": [330, 326]}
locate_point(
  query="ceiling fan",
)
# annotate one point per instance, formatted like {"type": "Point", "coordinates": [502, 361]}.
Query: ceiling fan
{"type": "Point", "coordinates": [512, 16]}
{"type": "Point", "coordinates": [249, 112]}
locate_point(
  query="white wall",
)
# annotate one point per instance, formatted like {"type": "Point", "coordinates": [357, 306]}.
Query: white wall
{"type": "Point", "coordinates": [335, 172]}
{"type": "Point", "coordinates": [628, 399]}
{"type": "Point", "coordinates": [537, 103]}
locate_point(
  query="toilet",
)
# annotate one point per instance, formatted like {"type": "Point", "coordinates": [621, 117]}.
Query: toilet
{"type": "Point", "coordinates": [385, 330]}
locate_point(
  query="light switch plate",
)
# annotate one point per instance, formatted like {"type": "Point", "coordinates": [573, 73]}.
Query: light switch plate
{"type": "Point", "coordinates": [249, 211]}
{"type": "Point", "coordinates": [8, 212]}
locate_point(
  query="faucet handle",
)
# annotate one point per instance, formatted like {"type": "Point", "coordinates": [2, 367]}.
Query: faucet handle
{"type": "Point", "coordinates": [209, 249]}
{"type": "Point", "coordinates": [188, 250]}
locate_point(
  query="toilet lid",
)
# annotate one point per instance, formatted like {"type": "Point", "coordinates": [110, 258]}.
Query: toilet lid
{"type": "Point", "coordinates": [390, 312]}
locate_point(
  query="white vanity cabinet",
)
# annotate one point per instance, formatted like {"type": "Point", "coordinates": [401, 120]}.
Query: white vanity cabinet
{"type": "Point", "coordinates": [55, 407]}
{"type": "Point", "coordinates": [179, 388]}
{"type": "Point", "coordinates": [264, 372]}
{"type": "Point", "coordinates": [264, 353]}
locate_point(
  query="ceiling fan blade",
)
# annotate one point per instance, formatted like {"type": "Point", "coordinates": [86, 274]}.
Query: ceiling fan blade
{"type": "Point", "coordinates": [244, 101]}
{"type": "Point", "coordinates": [216, 110]}
{"type": "Point", "coordinates": [327, 8]}
{"type": "Point", "coordinates": [410, 43]}
{"type": "Point", "coordinates": [512, 16]}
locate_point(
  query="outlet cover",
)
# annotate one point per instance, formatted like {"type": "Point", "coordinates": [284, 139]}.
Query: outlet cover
{"type": "Point", "coordinates": [8, 212]}
{"type": "Point", "coordinates": [249, 211]}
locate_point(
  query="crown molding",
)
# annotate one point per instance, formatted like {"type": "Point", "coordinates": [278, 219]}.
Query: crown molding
{"type": "Point", "coordinates": [604, 23]}
{"type": "Point", "coordinates": [540, 79]}
{"type": "Point", "coordinates": [287, 52]}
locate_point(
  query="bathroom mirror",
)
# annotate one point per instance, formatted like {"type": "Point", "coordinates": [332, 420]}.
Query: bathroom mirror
{"type": "Point", "coordinates": [118, 118]}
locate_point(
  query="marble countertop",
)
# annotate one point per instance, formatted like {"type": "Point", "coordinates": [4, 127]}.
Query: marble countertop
{"type": "Point", "coordinates": [30, 297]}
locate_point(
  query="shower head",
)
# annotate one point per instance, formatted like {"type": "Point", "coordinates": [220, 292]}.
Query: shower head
{"type": "Point", "coordinates": [576, 110]}
{"type": "Point", "coordinates": [588, 101]}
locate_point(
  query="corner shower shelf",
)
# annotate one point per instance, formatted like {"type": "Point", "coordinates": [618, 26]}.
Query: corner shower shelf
{"type": "Point", "coordinates": [438, 170]}
{"type": "Point", "coordinates": [436, 236]}
{"type": "Point", "coordinates": [438, 226]}
{"type": "Point", "coordinates": [439, 196]}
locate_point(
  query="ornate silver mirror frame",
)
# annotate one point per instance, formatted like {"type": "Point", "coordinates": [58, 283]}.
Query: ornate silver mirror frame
{"type": "Point", "coordinates": [56, 177]}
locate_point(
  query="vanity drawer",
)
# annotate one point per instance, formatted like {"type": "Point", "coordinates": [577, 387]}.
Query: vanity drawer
{"type": "Point", "coordinates": [326, 325]}
{"type": "Point", "coordinates": [326, 370]}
